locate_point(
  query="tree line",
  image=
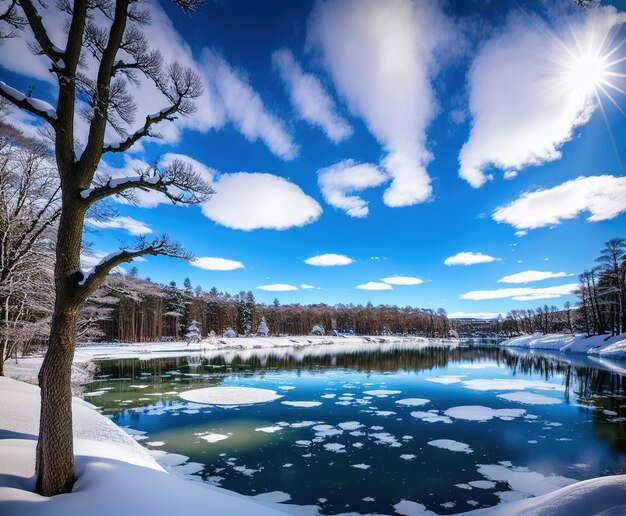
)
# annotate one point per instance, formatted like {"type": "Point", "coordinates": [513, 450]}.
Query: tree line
{"type": "Point", "coordinates": [601, 305]}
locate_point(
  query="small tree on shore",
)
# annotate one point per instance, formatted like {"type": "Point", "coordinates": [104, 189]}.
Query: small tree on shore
{"type": "Point", "coordinates": [111, 34]}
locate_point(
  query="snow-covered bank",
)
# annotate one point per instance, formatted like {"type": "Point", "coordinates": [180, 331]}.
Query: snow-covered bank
{"type": "Point", "coordinates": [115, 475]}
{"type": "Point", "coordinates": [26, 370]}
{"type": "Point", "coordinates": [598, 345]}
{"type": "Point", "coordinates": [215, 344]}
{"type": "Point", "coordinates": [604, 495]}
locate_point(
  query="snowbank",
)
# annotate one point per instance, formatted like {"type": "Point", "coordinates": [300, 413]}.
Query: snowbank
{"type": "Point", "coordinates": [601, 345]}
{"type": "Point", "coordinates": [115, 475]}
{"type": "Point", "coordinates": [605, 495]}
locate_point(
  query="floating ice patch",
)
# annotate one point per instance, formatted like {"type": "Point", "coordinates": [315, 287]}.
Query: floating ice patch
{"type": "Point", "coordinates": [480, 413]}
{"type": "Point", "coordinates": [463, 486]}
{"type": "Point", "coordinates": [302, 404]}
{"type": "Point", "coordinates": [381, 393]}
{"type": "Point", "coordinates": [246, 471]}
{"type": "Point", "coordinates": [155, 443]}
{"type": "Point", "coordinates": [522, 480]}
{"type": "Point", "coordinates": [407, 456]}
{"type": "Point", "coordinates": [269, 429]}
{"type": "Point", "coordinates": [303, 424]}
{"type": "Point", "coordinates": [413, 402]}
{"type": "Point", "coordinates": [448, 505]}
{"type": "Point", "coordinates": [446, 379]}
{"type": "Point", "coordinates": [431, 417]}
{"type": "Point", "coordinates": [482, 484]}
{"type": "Point", "coordinates": [361, 466]}
{"type": "Point", "coordinates": [273, 497]}
{"type": "Point", "coordinates": [286, 387]}
{"type": "Point", "coordinates": [386, 438]}
{"type": "Point", "coordinates": [213, 438]}
{"type": "Point", "coordinates": [304, 443]}
{"type": "Point", "coordinates": [449, 444]}
{"type": "Point", "coordinates": [138, 386]}
{"type": "Point", "coordinates": [335, 447]}
{"type": "Point", "coordinates": [384, 413]}
{"type": "Point", "coordinates": [230, 395]}
{"type": "Point", "coordinates": [530, 398]}
{"type": "Point", "coordinates": [506, 384]}
{"type": "Point", "coordinates": [368, 499]}
{"type": "Point", "coordinates": [409, 508]}
{"type": "Point", "coordinates": [350, 425]}
{"type": "Point", "coordinates": [328, 396]}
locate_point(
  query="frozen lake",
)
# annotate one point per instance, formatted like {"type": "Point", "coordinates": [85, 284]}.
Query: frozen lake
{"type": "Point", "coordinates": [380, 429]}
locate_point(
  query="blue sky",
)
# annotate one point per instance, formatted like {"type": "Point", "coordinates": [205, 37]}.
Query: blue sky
{"type": "Point", "coordinates": [427, 100]}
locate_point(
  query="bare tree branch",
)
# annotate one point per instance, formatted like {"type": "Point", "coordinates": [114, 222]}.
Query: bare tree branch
{"type": "Point", "coordinates": [162, 245]}
{"type": "Point", "coordinates": [178, 181]}
{"type": "Point", "coordinates": [40, 32]}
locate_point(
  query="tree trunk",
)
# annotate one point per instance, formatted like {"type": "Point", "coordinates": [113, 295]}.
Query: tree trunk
{"type": "Point", "coordinates": [55, 448]}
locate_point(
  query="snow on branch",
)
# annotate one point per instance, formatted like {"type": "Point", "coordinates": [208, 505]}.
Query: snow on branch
{"type": "Point", "coordinates": [35, 106]}
{"type": "Point", "coordinates": [178, 181]}
{"type": "Point", "coordinates": [88, 282]}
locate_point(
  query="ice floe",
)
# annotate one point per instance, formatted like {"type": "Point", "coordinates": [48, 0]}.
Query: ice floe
{"type": "Point", "coordinates": [230, 395]}
{"type": "Point", "coordinates": [480, 413]}
{"type": "Point", "coordinates": [530, 398]}
{"type": "Point", "coordinates": [449, 444]}
{"type": "Point", "coordinates": [413, 402]}
{"type": "Point", "coordinates": [302, 404]}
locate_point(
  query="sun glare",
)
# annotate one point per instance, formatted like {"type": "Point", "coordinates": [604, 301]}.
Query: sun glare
{"type": "Point", "coordinates": [588, 71]}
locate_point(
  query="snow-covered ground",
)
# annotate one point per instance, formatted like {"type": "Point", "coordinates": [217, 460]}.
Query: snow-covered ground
{"type": "Point", "coordinates": [597, 345]}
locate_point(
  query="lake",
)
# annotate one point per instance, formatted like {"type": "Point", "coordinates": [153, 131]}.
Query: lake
{"type": "Point", "coordinates": [380, 428]}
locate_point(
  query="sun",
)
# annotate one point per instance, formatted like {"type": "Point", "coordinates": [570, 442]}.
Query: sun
{"type": "Point", "coordinates": [588, 72]}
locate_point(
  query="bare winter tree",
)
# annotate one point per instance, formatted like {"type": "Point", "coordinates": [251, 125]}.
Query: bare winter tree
{"type": "Point", "coordinates": [109, 33]}
{"type": "Point", "coordinates": [29, 210]}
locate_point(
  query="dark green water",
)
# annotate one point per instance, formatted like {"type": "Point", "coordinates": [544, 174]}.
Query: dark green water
{"type": "Point", "coordinates": [578, 432]}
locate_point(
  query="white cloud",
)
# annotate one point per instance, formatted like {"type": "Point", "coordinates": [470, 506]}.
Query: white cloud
{"type": "Point", "coordinates": [250, 201]}
{"type": "Point", "coordinates": [210, 263]}
{"type": "Point", "coordinates": [382, 58]}
{"type": "Point", "coordinates": [304, 286]}
{"type": "Point", "coordinates": [604, 197]}
{"type": "Point", "coordinates": [522, 293]}
{"type": "Point", "coordinates": [309, 98]}
{"type": "Point", "coordinates": [521, 233]}
{"type": "Point", "coordinates": [244, 107]}
{"type": "Point", "coordinates": [475, 315]}
{"type": "Point", "coordinates": [278, 287]}
{"type": "Point", "coordinates": [469, 258]}
{"type": "Point", "coordinates": [524, 100]}
{"type": "Point", "coordinates": [529, 276]}
{"type": "Point", "coordinates": [345, 177]}
{"type": "Point", "coordinates": [133, 226]}
{"type": "Point", "coordinates": [402, 280]}
{"type": "Point", "coordinates": [329, 260]}
{"type": "Point", "coordinates": [374, 285]}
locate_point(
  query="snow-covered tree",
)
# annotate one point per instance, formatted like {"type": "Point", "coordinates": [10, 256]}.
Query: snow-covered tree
{"type": "Point", "coordinates": [104, 49]}
{"type": "Point", "coordinates": [318, 330]}
{"type": "Point", "coordinates": [193, 332]}
{"type": "Point", "coordinates": [263, 330]}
